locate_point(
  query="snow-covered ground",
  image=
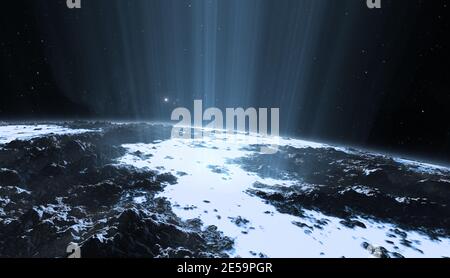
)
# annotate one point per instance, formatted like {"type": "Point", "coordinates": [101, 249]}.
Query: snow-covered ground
{"type": "Point", "coordinates": [213, 188]}
{"type": "Point", "coordinates": [9, 133]}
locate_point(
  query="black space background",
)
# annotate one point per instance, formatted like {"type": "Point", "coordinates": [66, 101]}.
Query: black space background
{"type": "Point", "coordinates": [412, 116]}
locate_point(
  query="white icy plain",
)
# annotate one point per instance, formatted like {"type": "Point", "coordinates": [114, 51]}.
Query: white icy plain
{"type": "Point", "coordinates": [212, 188]}
{"type": "Point", "coordinates": [9, 133]}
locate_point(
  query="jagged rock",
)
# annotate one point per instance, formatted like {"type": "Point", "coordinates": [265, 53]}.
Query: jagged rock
{"type": "Point", "coordinates": [134, 233]}
{"type": "Point", "coordinates": [353, 224]}
{"type": "Point", "coordinates": [348, 186]}
{"type": "Point", "coordinates": [378, 252]}
{"type": "Point", "coordinates": [9, 177]}
{"type": "Point", "coordinates": [239, 221]}
{"type": "Point", "coordinates": [97, 194]}
{"type": "Point", "coordinates": [72, 191]}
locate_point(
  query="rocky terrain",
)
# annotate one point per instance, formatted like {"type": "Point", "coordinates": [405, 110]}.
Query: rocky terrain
{"type": "Point", "coordinates": [357, 187]}
{"type": "Point", "coordinates": [62, 189]}
{"type": "Point", "coordinates": [129, 190]}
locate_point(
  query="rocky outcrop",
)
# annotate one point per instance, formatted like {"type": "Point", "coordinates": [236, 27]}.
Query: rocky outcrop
{"type": "Point", "coordinates": [58, 190]}
{"type": "Point", "coordinates": [349, 185]}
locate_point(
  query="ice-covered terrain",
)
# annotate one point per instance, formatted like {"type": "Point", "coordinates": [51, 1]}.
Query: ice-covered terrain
{"type": "Point", "coordinates": [213, 186]}
{"type": "Point", "coordinates": [129, 190]}
{"type": "Point", "coordinates": [9, 133]}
